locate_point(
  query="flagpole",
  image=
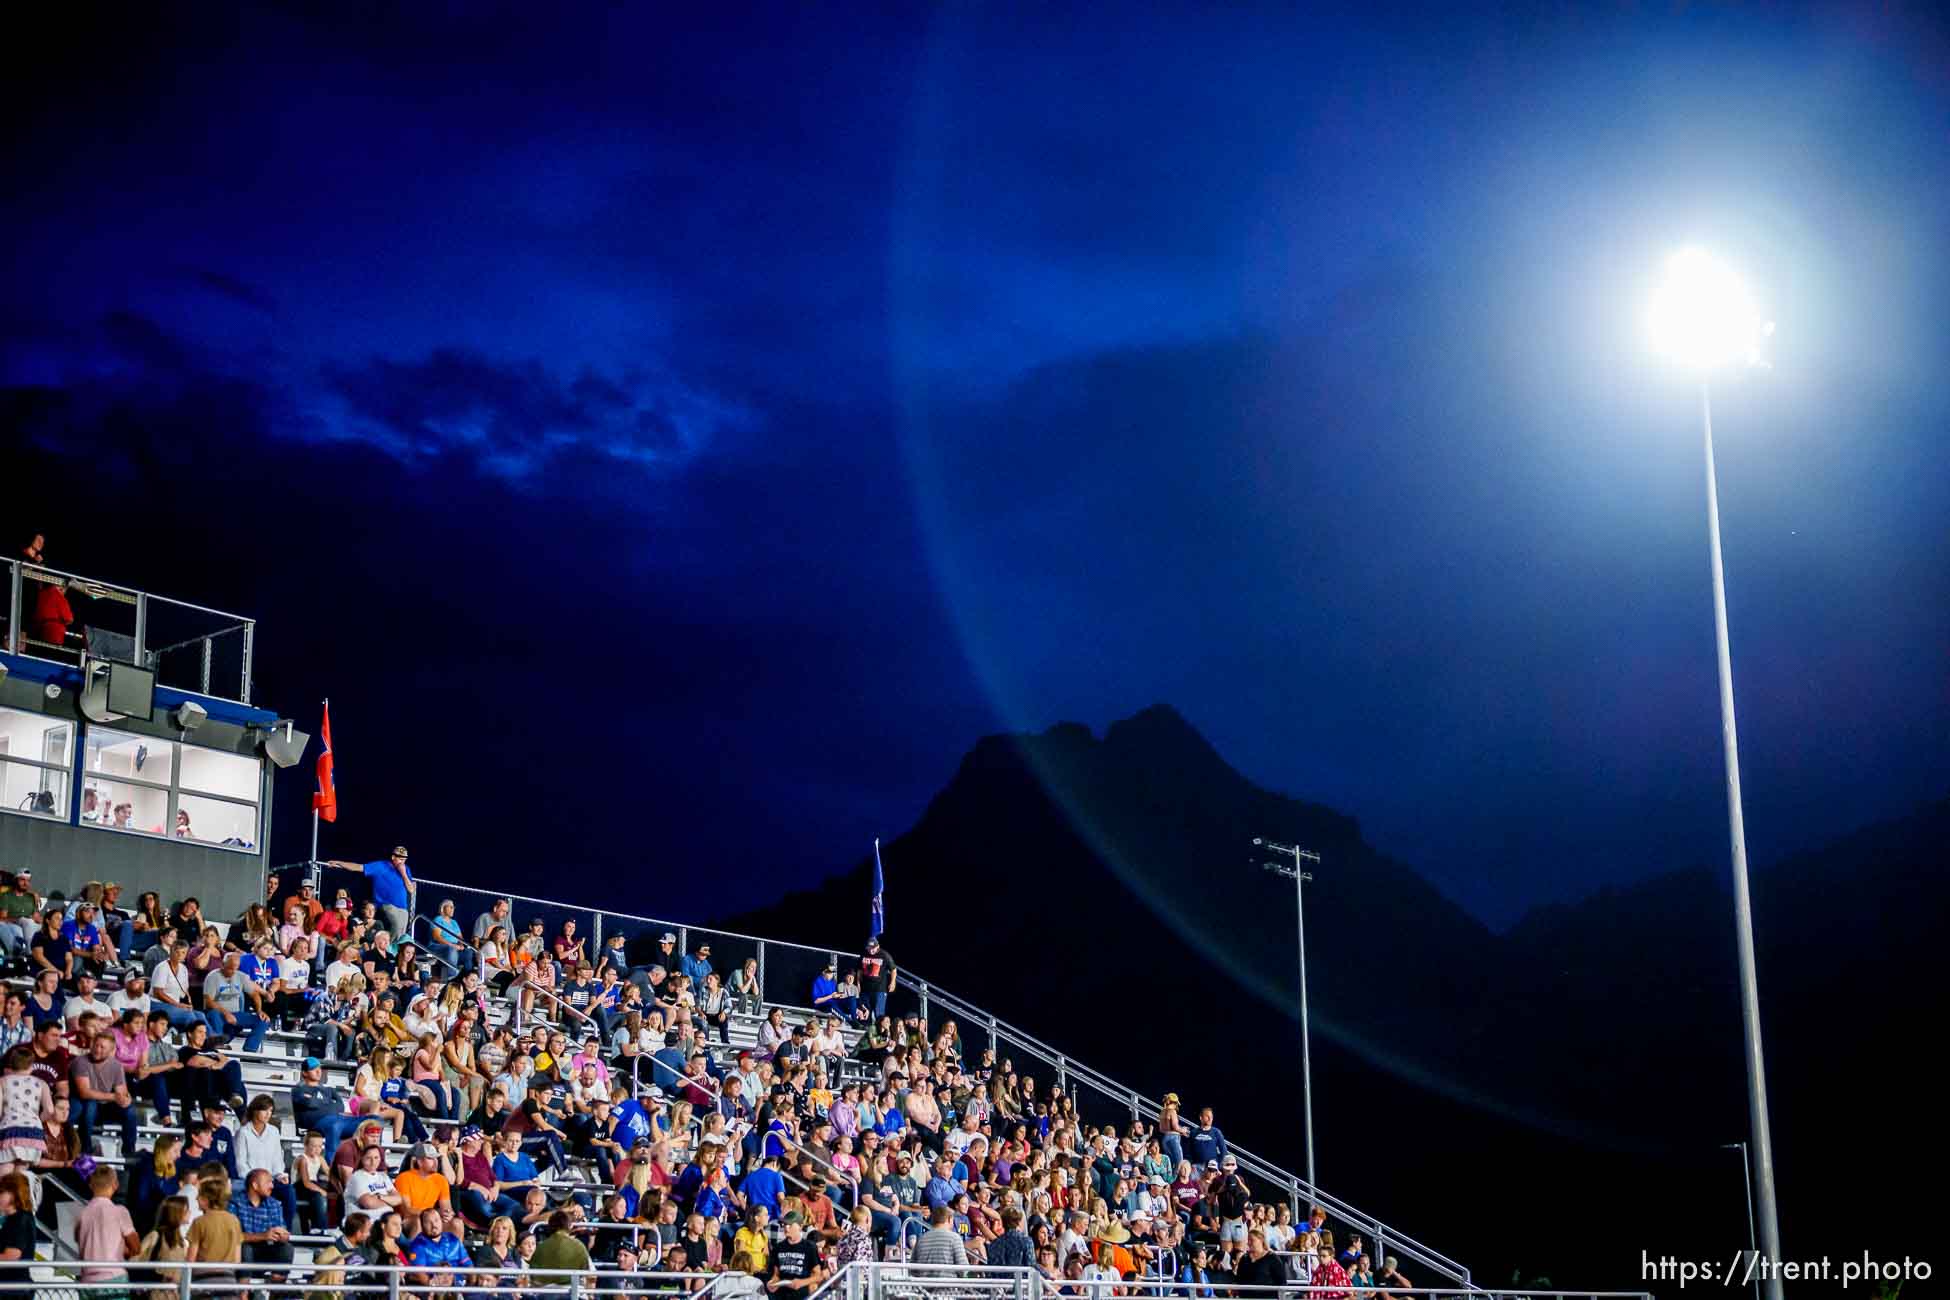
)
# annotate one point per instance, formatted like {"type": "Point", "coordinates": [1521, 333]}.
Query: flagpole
{"type": "Point", "coordinates": [317, 876]}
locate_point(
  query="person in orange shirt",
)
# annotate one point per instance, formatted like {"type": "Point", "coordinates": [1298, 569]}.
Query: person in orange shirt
{"type": "Point", "coordinates": [421, 1185]}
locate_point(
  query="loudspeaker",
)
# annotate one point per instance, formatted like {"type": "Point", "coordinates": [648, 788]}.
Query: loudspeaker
{"type": "Point", "coordinates": [284, 744]}
{"type": "Point", "coordinates": [188, 715]}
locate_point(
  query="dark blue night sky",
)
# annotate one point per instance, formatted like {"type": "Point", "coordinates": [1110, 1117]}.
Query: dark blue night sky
{"type": "Point", "coordinates": [704, 428]}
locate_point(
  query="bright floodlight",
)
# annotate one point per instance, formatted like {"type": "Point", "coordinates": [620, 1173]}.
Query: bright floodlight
{"type": "Point", "coordinates": [1703, 317]}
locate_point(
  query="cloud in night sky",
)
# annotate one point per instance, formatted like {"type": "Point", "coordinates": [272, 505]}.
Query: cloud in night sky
{"type": "Point", "coordinates": [513, 418]}
{"type": "Point", "coordinates": [879, 381]}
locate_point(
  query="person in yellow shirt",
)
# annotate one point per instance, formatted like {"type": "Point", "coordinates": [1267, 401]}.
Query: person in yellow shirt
{"type": "Point", "coordinates": [751, 1240]}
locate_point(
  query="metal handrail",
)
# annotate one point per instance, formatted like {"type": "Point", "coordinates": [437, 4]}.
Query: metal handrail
{"type": "Point", "coordinates": [116, 588]}
{"type": "Point", "coordinates": [871, 1281]}
{"type": "Point", "coordinates": [1067, 1068]}
{"type": "Point", "coordinates": [675, 926]}
{"type": "Point", "coordinates": [16, 639]}
{"type": "Point", "coordinates": [1149, 1109]}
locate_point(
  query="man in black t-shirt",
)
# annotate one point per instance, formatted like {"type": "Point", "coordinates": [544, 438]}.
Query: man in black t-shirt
{"type": "Point", "coordinates": [795, 1261]}
{"type": "Point", "coordinates": [877, 978]}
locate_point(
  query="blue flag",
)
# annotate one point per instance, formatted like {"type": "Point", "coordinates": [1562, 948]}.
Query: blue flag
{"type": "Point", "coordinates": [879, 919]}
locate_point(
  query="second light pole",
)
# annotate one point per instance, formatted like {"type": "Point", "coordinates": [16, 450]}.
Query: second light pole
{"type": "Point", "coordinates": [1299, 876]}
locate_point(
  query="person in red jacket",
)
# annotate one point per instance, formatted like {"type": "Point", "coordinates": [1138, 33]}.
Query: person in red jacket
{"type": "Point", "coordinates": [51, 616]}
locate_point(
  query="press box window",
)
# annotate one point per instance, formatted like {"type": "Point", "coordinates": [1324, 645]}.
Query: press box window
{"type": "Point", "coordinates": [36, 758]}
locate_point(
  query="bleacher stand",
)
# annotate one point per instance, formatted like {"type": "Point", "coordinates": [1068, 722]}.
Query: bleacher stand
{"type": "Point", "coordinates": [302, 1085]}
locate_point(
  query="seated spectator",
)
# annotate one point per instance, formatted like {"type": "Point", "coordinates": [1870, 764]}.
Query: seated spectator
{"type": "Point", "coordinates": [260, 1215]}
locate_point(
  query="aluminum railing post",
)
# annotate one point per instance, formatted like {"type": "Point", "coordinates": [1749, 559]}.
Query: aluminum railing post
{"type": "Point", "coordinates": [13, 608]}
{"type": "Point", "coordinates": [1063, 1074]}
{"type": "Point", "coordinates": [995, 1040]}
{"type": "Point", "coordinates": [1134, 1108]}
{"type": "Point", "coordinates": [924, 1006]}
{"type": "Point", "coordinates": [761, 975]}
{"type": "Point", "coordinates": [392, 1285]}
{"type": "Point", "coordinates": [575, 1286]}
{"type": "Point", "coordinates": [250, 638]}
{"type": "Point", "coordinates": [141, 625]}
{"type": "Point", "coordinates": [207, 647]}
{"type": "Point", "coordinates": [183, 1277]}
{"type": "Point", "coordinates": [596, 943]}
{"type": "Point", "coordinates": [683, 949]}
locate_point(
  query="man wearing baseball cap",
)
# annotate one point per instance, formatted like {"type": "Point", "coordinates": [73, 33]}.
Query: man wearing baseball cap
{"type": "Point", "coordinates": [393, 888]}
{"type": "Point", "coordinates": [795, 1261]}
{"type": "Point", "coordinates": [421, 1185]}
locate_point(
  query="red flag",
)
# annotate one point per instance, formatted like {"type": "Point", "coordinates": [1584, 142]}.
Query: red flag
{"type": "Point", "coordinates": [326, 801]}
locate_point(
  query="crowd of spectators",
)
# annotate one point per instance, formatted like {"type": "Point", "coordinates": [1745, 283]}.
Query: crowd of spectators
{"type": "Point", "coordinates": [517, 1102]}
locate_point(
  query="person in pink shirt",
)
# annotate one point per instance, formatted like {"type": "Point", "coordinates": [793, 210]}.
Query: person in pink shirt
{"type": "Point", "coordinates": [103, 1231]}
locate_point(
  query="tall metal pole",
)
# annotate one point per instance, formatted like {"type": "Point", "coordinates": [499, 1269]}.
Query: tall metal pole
{"type": "Point", "coordinates": [1747, 1178]}
{"type": "Point", "coordinates": [1300, 879]}
{"type": "Point", "coordinates": [1743, 916]}
{"type": "Point", "coordinates": [1306, 1054]}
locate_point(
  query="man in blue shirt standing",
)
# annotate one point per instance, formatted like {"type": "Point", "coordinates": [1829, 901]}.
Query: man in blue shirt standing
{"type": "Point", "coordinates": [1206, 1142]}
{"type": "Point", "coordinates": [764, 1185]}
{"type": "Point", "coordinates": [392, 889]}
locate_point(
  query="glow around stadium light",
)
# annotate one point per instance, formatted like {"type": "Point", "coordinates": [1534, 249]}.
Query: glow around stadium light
{"type": "Point", "coordinates": [1703, 317]}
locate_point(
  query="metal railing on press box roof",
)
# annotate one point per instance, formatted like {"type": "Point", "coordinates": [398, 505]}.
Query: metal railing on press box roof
{"type": "Point", "coordinates": [780, 957]}
{"type": "Point", "coordinates": [191, 647]}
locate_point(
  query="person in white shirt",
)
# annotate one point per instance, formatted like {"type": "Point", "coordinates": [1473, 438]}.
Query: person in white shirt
{"type": "Point", "coordinates": [171, 992]}
{"type": "Point", "coordinates": [133, 995]}
{"type": "Point", "coordinates": [83, 1001]}
{"type": "Point", "coordinates": [369, 1188]}
{"type": "Point", "coordinates": [294, 976]}
{"type": "Point", "coordinates": [346, 964]}
{"type": "Point", "coordinates": [961, 1135]}
{"type": "Point", "coordinates": [260, 1145]}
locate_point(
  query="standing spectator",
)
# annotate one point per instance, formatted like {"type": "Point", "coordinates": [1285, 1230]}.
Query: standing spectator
{"type": "Point", "coordinates": [1013, 1248]}
{"type": "Point", "coordinates": [103, 1231]}
{"type": "Point", "coordinates": [878, 978]}
{"type": "Point", "coordinates": [1259, 1267]}
{"type": "Point", "coordinates": [795, 1261]}
{"type": "Point", "coordinates": [392, 887]}
{"type": "Point", "coordinates": [216, 1236]}
{"type": "Point", "coordinates": [941, 1244]}
{"type": "Point", "coordinates": [1205, 1143]}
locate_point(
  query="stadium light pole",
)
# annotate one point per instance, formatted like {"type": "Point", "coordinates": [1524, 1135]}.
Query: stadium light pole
{"type": "Point", "coordinates": [1703, 319]}
{"type": "Point", "coordinates": [1300, 877]}
{"type": "Point", "coordinates": [1747, 1178]}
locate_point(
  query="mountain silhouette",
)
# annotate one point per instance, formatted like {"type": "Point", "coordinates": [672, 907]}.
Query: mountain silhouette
{"type": "Point", "coordinates": [1511, 1099]}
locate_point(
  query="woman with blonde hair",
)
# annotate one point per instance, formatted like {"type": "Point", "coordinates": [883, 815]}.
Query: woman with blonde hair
{"type": "Point", "coordinates": [369, 1090]}
{"type": "Point", "coordinates": [737, 1282]}
{"type": "Point", "coordinates": [216, 1236]}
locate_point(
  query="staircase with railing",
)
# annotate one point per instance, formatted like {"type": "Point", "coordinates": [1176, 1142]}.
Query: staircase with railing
{"type": "Point", "coordinates": [784, 965]}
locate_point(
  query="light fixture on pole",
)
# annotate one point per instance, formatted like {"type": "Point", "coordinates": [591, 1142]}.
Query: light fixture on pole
{"type": "Point", "coordinates": [1299, 877]}
{"type": "Point", "coordinates": [1704, 319]}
